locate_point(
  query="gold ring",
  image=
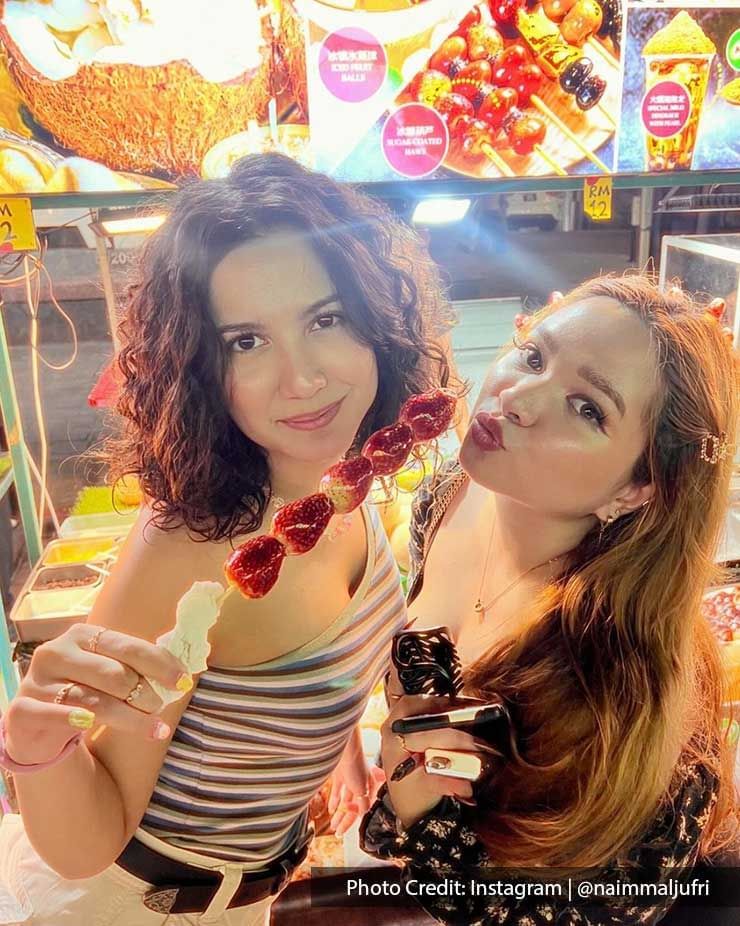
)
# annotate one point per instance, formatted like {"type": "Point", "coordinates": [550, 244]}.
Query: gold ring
{"type": "Point", "coordinates": [135, 691]}
{"type": "Point", "coordinates": [403, 742]}
{"type": "Point", "coordinates": [95, 639]}
{"type": "Point", "coordinates": [62, 694]}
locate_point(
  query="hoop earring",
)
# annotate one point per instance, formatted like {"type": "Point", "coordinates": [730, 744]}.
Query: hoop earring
{"type": "Point", "coordinates": [610, 519]}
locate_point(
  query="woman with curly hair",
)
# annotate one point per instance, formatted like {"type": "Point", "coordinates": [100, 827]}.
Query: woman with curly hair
{"type": "Point", "coordinates": [581, 523]}
{"type": "Point", "coordinates": [278, 320]}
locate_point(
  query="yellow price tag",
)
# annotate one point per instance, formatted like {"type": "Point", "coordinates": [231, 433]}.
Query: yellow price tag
{"type": "Point", "coordinates": [17, 230]}
{"type": "Point", "coordinates": [597, 198]}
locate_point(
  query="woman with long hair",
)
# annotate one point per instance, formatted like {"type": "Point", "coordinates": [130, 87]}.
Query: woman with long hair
{"type": "Point", "coordinates": [580, 521]}
{"type": "Point", "coordinates": [277, 321]}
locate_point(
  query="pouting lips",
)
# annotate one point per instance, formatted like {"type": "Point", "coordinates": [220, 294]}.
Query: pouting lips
{"type": "Point", "coordinates": [347, 483]}
{"type": "Point", "coordinates": [489, 430]}
{"type": "Point", "coordinates": [388, 448]}
{"type": "Point", "coordinates": [299, 525]}
{"type": "Point", "coordinates": [255, 565]}
{"type": "Point", "coordinates": [428, 415]}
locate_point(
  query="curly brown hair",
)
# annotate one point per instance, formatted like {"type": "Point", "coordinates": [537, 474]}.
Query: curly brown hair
{"type": "Point", "coordinates": [196, 467]}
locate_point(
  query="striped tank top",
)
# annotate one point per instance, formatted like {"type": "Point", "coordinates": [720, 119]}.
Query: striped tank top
{"type": "Point", "coordinates": [255, 744]}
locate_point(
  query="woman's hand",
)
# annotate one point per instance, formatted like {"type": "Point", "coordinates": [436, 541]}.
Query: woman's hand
{"type": "Point", "coordinates": [84, 677]}
{"type": "Point", "coordinates": [418, 792]}
{"type": "Point", "coordinates": [354, 786]}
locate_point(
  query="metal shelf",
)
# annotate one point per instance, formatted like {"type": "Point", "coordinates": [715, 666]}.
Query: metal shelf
{"type": "Point", "coordinates": [418, 188]}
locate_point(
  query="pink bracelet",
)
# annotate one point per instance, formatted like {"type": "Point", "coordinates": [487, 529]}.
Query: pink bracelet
{"type": "Point", "coordinates": [16, 768]}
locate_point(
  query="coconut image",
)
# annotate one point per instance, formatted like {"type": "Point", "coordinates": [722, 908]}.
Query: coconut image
{"type": "Point", "coordinates": [151, 85]}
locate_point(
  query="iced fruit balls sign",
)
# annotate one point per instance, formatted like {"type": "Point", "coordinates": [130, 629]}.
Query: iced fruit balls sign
{"type": "Point", "coordinates": [352, 65]}
{"type": "Point", "coordinates": [665, 109]}
{"type": "Point", "coordinates": [415, 140]}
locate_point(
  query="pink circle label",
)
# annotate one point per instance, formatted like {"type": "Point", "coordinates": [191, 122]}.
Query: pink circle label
{"type": "Point", "coordinates": [415, 140]}
{"type": "Point", "coordinates": [352, 64]}
{"type": "Point", "coordinates": [665, 109]}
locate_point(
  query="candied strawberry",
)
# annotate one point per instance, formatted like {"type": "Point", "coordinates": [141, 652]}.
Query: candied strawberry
{"type": "Point", "coordinates": [347, 483]}
{"type": "Point", "coordinates": [474, 136]}
{"type": "Point", "coordinates": [479, 70]}
{"type": "Point", "coordinates": [428, 415]}
{"type": "Point", "coordinates": [388, 448]}
{"type": "Point", "coordinates": [299, 525]}
{"type": "Point", "coordinates": [528, 81]}
{"type": "Point", "coordinates": [505, 11]}
{"type": "Point", "coordinates": [470, 19]}
{"type": "Point", "coordinates": [508, 63]}
{"type": "Point", "coordinates": [427, 86]}
{"type": "Point", "coordinates": [497, 105]}
{"type": "Point", "coordinates": [525, 133]}
{"type": "Point", "coordinates": [255, 565]}
{"type": "Point", "coordinates": [484, 41]}
{"type": "Point", "coordinates": [452, 49]}
{"type": "Point", "coordinates": [473, 90]}
{"type": "Point", "coordinates": [453, 105]}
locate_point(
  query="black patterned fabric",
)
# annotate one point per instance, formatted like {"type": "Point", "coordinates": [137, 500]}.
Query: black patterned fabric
{"type": "Point", "coordinates": [444, 843]}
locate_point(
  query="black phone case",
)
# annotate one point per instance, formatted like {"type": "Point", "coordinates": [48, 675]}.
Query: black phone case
{"type": "Point", "coordinates": [427, 663]}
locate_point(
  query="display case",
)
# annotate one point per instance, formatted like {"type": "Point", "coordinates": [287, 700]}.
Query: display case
{"type": "Point", "coordinates": [705, 264]}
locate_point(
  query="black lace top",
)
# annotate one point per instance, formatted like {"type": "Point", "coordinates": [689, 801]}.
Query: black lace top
{"type": "Point", "coordinates": [444, 843]}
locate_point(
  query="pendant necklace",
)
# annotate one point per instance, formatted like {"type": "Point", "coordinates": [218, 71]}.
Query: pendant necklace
{"type": "Point", "coordinates": [481, 608]}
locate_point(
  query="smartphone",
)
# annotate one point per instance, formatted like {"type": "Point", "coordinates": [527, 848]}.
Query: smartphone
{"type": "Point", "coordinates": [453, 764]}
{"type": "Point", "coordinates": [481, 720]}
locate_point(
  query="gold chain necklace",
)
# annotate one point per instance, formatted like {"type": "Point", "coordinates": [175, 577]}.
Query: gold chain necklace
{"type": "Point", "coordinates": [481, 608]}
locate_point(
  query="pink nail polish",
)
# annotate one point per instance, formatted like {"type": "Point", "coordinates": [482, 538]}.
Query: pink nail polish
{"type": "Point", "coordinates": [160, 731]}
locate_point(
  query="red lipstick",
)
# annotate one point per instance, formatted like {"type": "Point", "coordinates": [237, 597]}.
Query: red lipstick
{"type": "Point", "coordinates": [486, 432]}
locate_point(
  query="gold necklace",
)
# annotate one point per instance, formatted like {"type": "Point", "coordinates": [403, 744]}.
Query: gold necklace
{"type": "Point", "coordinates": [481, 608]}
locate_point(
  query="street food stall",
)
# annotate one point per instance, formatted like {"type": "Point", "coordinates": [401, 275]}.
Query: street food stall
{"type": "Point", "coordinates": [107, 108]}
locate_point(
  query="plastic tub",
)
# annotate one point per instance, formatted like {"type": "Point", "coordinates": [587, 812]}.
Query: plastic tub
{"type": "Point", "coordinates": [73, 575]}
{"type": "Point", "coordinates": [82, 550]}
{"type": "Point", "coordinates": [104, 523]}
{"type": "Point", "coordinates": [44, 615]}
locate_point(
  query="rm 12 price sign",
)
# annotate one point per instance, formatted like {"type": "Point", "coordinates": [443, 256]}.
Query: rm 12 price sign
{"type": "Point", "coordinates": [597, 198]}
{"type": "Point", "coordinates": [17, 230]}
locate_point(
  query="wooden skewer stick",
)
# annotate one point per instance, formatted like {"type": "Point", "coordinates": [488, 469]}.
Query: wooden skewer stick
{"type": "Point", "coordinates": [605, 113]}
{"type": "Point", "coordinates": [497, 160]}
{"type": "Point", "coordinates": [596, 45]}
{"type": "Point", "coordinates": [603, 52]}
{"type": "Point", "coordinates": [556, 168]}
{"type": "Point", "coordinates": [546, 111]}
{"type": "Point", "coordinates": [227, 593]}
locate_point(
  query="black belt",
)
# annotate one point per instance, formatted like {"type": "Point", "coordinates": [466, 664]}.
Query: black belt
{"type": "Point", "coordinates": [181, 888]}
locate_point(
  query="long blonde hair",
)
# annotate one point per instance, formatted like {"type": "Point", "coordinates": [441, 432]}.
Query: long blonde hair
{"type": "Point", "coordinates": [620, 673]}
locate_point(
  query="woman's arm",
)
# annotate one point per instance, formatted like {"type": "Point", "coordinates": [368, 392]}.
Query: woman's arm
{"type": "Point", "coordinates": [80, 814]}
{"type": "Point", "coordinates": [444, 844]}
{"type": "Point", "coordinates": [354, 786]}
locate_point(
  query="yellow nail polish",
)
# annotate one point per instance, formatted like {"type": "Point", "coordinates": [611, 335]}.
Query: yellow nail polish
{"type": "Point", "coordinates": [184, 683]}
{"type": "Point", "coordinates": [81, 719]}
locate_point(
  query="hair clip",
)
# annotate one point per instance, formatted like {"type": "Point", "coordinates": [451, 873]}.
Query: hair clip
{"type": "Point", "coordinates": [716, 309]}
{"type": "Point", "coordinates": [714, 312]}
{"type": "Point", "coordinates": [719, 448]}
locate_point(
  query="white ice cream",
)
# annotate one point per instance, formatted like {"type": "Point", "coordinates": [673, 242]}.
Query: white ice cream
{"type": "Point", "coordinates": [197, 612]}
